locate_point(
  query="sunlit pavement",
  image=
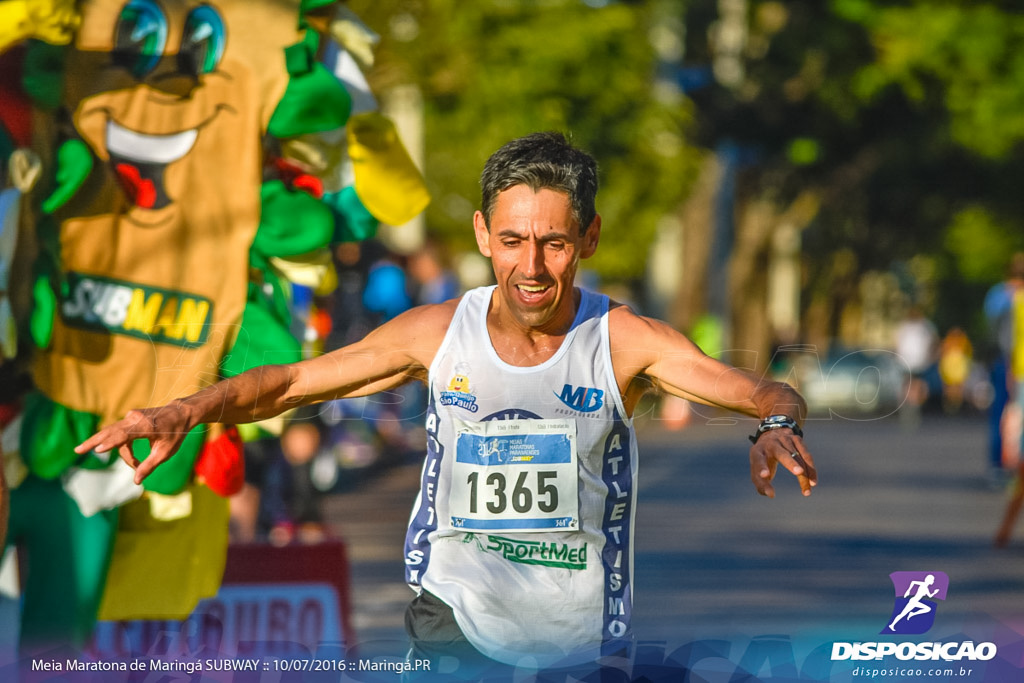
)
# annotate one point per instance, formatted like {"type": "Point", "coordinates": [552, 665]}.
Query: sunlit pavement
{"type": "Point", "coordinates": [714, 558]}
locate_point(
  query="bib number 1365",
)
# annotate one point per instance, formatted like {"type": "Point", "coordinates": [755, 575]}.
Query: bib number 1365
{"type": "Point", "coordinates": [515, 475]}
{"type": "Point", "coordinates": [521, 497]}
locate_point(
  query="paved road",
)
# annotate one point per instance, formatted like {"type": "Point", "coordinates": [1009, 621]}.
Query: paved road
{"type": "Point", "coordinates": [714, 558]}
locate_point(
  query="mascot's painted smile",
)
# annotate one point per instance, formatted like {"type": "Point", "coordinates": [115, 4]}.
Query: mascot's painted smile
{"type": "Point", "coordinates": [139, 161]}
{"type": "Point", "coordinates": [163, 82]}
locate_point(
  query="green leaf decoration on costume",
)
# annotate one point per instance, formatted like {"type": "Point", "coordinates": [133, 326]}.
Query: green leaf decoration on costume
{"type": "Point", "coordinates": [74, 163]}
{"type": "Point", "coordinates": [48, 285]}
{"type": "Point", "coordinates": [44, 312]}
{"type": "Point", "coordinates": [353, 222]}
{"type": "Point", "coordinates": [314, 101]}
{"type": "Point", "coordinates": [42, 75]}
{"type": "Point", "coordinates": [292, 222]}
{"type": "Point", "coordinates": [309, 5]}
{"type": "Point", "coordinates": [274, 295]}
{"type": "Point", "coordinates": [172, 475]}
{"type": "Point", "coordinates": [282, 210]}
{"type": "Point", "coordinates": [271, 293]}
{"type": "Point", "coordinates": [262, 339]}
{"type": "Point", "coordinates": [49, 434]}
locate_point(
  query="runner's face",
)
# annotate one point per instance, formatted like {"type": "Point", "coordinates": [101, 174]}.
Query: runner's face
{"type": "Point", "coordinates": [535, 246]}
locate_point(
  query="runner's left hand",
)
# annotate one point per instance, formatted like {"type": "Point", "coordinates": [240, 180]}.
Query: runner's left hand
{"type": "Point", "coordinates": [785, 447]}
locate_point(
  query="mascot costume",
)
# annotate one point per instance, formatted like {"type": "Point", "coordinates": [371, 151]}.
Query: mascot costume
{"type": "Point", "coordinates": [204, 158]}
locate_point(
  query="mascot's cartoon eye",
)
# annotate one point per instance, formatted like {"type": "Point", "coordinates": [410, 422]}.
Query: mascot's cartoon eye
{"type": "Point", "coordinates": [140, 36]}
{"type": "Point", "coordinates": [202, 44]}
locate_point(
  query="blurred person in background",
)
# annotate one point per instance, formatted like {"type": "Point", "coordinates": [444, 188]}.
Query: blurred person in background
{"type": "Point", "coordinates": [373, 286]}
{"type": "Point", "coordinates": [299, 517]}
{"type": "Point", "coordinates": [917, 343]}
{"type": "Point", "coordinates": [279, 503]}
{"type": "Point", "coordinates": [350, 319]}
{"type": "Point", "coordinates": [1007, 370]}
{"type": "Point", "coordinates": [387, 288]}
{"type": "Point", "coordinates": [1008, 307]}
{"type": "Point", "coordinates": [956, 357]}
{"type": "Point", "coordinates": [433, 282]}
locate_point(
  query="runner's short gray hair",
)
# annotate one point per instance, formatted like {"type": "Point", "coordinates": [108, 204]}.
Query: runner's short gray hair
{"type": "Point", "coordinates": [542, 161]}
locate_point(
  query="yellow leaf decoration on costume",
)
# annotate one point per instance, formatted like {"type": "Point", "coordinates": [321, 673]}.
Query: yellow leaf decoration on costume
{"type": "Point", "coordinates": [150, 549]}
{"type": "Point", "coordinates": [386, 180]}
{"type": "Point", "coordinates": [52, 21]}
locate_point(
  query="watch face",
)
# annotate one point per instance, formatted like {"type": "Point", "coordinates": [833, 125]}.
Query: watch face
{"type": "Point", "coordinates": [776, 419]}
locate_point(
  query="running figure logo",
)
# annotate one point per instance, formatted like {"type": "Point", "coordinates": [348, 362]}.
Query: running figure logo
{"type": "Point", "coordinates": [489, 447]}
{"type": "Point", "coordinates": [914, 609]}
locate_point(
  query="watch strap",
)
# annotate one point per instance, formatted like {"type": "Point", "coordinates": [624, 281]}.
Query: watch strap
{"type": "Point", "coordinates": [773, 422]}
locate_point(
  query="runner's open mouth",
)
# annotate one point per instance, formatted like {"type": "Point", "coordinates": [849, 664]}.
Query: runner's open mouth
{"type": "Point", "coordinates": [532, 293]}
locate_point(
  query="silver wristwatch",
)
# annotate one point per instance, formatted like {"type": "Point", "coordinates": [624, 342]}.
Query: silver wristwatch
{"type": "Point", "coordinates": [776, 422]}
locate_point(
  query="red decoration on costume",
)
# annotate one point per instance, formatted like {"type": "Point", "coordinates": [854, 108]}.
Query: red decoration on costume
{"type": "Point", "coordinates": [297, 178]}
{"type": "Point", "coordinates": [221, 465]}
{"type": "Point", "coordinates": [15, 108]}
{"type": "Point", "coordinates": [9, 411]}
{"type": "Point", "coordinates": [310, 184]}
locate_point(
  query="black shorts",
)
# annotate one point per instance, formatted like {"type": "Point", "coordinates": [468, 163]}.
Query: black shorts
{"type": "Point", "coordinates": [434, 635]}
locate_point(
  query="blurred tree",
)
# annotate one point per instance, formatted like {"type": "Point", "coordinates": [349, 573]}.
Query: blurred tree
{"type": "Point", "coordinates": [492, 70]}
{"type": "Point", "coordinates": [881, 130]}
{"type": "Point", "coordinates": [968, 53]}
{"type": "Point", "coordinates": [892, 128]}
{"type": "Point", "coordinates": [965, 60]}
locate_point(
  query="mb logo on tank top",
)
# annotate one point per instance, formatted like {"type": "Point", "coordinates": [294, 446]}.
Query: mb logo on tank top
{"type": "Point", "coordinates": [583, 399]}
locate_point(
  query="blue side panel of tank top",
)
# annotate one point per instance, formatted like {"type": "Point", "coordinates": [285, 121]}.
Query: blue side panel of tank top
{"type": "Point", "coordinates": [417, 546]}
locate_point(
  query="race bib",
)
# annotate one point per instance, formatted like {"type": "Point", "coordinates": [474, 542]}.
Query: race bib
{"type": "Point", "coordinates": [515, 475]}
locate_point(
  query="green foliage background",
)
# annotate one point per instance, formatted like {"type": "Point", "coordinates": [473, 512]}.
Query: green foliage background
{"type": "Point", "coordinates": [493, 70]}
{"type": "Point", "coordinates": [905, 117]}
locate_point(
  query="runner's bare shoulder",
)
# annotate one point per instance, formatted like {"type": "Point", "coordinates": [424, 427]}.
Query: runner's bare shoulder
{"type": "Point", "coordinates": [638, 341]}
{"type": "Point", "coordinates": [624, 323]}
{"type": "Point", "coordinates": [419, 330]}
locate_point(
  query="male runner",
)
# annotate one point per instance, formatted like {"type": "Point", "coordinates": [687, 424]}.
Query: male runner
{"type": "Point", "coordinates": [520, 540]}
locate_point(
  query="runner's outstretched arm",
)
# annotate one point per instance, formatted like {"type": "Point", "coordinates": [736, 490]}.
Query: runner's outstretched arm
{"type": "Point", "coordinates": [649, 353]}
{"type": "Point", "coordinates": [393, 354]}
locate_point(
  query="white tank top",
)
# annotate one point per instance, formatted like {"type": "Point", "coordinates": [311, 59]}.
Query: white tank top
{"type": "Point", "coordinates": [524, 521]}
